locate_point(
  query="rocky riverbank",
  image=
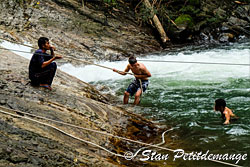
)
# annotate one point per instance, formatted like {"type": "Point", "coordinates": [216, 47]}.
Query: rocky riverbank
{"type": "Point", "coordinates": [80, 33]}
{"type": "Point", "coordinates": [77, 32]}
{"type": "Point", "coordinates": [25, 143]}
{"type": "Point", "coordinates": [104, 32]}
{"type": "Point", "coordinates": [206, 21]}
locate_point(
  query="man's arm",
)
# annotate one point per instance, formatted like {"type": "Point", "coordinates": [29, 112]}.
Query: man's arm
{"type": "Point", "coordinates": [227, 115]}
{"type": "Point", "coordinates": [46, 63]}
{"type": "Point", "coordinates": [52, 48]}
{"type": "Point", "coordinates": [122, 72]}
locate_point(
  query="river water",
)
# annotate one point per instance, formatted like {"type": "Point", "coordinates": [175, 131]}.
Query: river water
{"type": "Point", "coordinates": [182, 96]}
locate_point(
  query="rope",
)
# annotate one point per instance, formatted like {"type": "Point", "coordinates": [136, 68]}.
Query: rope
{"type": "Point", "coordinates": [6, 111]}
{"type": "Point", "coordinates": [163, 141]}
{"type": "Point", "coordinates": [39, 54]}
{"type": "Point", "coordinates": [87, 129]}
{"type": "Point", "coordinates": [194, 62]}
{"type": "Point", "coordinates": [166, 61]}
{"type": "Point", "coordinates": [17, 43]}
{"type": "Point", "coordinates": [158, 61]}
{"type": "Point", "coordinates": [69, 59]}
{"type": "Point", "coordinates": [77, 138]}
{"type": "Point", "coordinates": [101, 66]}
{"type": "Point", "coordinates": [65, 133]}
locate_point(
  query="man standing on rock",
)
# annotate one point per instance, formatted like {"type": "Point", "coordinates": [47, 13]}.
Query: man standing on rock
{"type": "Point", "coordinates": [42, 69]}
{"type": "Point", "coordinates": [140, 82]}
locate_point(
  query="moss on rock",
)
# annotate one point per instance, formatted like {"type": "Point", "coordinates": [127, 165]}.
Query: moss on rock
{"type": "Point", "coordinates": [184, 20]}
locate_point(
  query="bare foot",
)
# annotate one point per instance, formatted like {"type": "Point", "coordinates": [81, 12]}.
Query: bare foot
{"type": "Point", "coordinates": [45, 86]}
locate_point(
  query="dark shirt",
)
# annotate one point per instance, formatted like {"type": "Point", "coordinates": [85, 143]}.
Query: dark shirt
{"type": "Point", "coordinates": [37, 60]}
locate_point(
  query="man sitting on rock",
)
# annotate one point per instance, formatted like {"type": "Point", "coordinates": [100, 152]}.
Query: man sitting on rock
{"type": "Point", "coordinates": [42, 69]}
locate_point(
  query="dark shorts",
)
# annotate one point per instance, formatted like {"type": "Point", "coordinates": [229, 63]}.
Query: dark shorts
{"type": "Point", "coordinates": [44, 77]}
{"type": "Point", "coordinates": [134, 86]}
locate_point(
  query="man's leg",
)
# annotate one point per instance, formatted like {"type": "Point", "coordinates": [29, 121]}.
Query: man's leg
{"type": "Point", "coordinates": [34, 80]}
{"type": "Point", "coordinates": [139, 92]}
{"type": "Point", "coordinates": [52, 73]}
{"type": "Point", "coordinates": [137, 97]}
{"type": "Point", "coordinates": [126, 97]}
{"type": "Point", "coordinates": [48, 75]}
{"type": "Point", "coordinates": [130, 91]}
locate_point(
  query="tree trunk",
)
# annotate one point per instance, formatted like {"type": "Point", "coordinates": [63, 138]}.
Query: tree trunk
{"type": "Point", "coordinates": [82, 3]}
{"type": "Point", "coordinates": [157, 23]}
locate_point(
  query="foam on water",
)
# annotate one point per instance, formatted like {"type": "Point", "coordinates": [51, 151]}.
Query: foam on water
{"type": "Point", "coordinates": [9, 45]}
{"type": "Point", "coordinates": [92, 73]}
{"type": "Point", "coordinates": [171, 71]}
{"type": "Point", "coordinates": [237, 131]}
{"type": "Point", "coordinates": [175, 71]}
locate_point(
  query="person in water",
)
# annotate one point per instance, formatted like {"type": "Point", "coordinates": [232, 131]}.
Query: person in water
{"type": "Point", "coordinates": [42, 69]}
{"type": "Point", "coordinates": [226, 113]}
{"type": "Point", "coordinates": [141, 79]}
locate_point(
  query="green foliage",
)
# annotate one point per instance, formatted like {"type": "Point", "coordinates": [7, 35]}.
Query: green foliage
{"type": "Point", "coordinates": [189, 9]}
{"type": "Point", "coordinates": [212, 20]}
{"type": "Point", "coordinates": [145, 13]}
{"type": "Point", "coordinates": [185, 20]}
{"type": "Point", "coordinates": [111, 2]}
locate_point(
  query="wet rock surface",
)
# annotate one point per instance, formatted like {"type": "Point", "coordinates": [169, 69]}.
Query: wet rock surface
{"type": "Point", "coordinates": [77, 32]}
{"type": "Point", "coordinates": [207, 21]}
{"type": "Point", "coordinates": [27, 143]}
